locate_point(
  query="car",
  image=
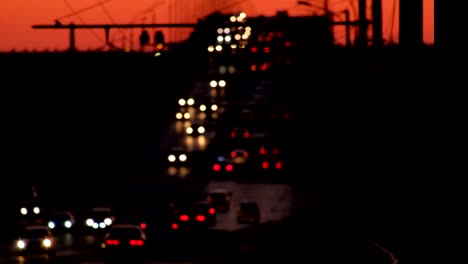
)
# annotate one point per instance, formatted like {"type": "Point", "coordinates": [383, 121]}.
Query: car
{"type": "Point", "coordinates": [220, 200]}
{"type": "Point", "coordinates": [239, 156]}
{"type": "Point", "coordinates": [183, 114]}
{"type": "Point", "coordinates": [100, 218]}
{"type": "Point", "coordinates": [178, 156]}
{"type": "Point", "coordinates": [223, 166]}
{"type": "Point", "coordinates": [124, 239]}
{"type": "Point", "coordinates": [61, 221]}
{"type": "Point", "coordinates": [208, 211]}
{"type": "Point", "coordinates": [209, 111]}
{"type": "Point", "coordinates": [36, 239]}
{"type": "Point", "coordinates": [190, 219]}
{"type": "Point", "coordinates": [248, 213]}
{"type": "Point", "coordinates": [272, 164]}
{"type": "Point", "coordinates": [196, 129]}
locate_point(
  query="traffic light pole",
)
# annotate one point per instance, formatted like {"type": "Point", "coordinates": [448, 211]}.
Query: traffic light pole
{"type": "Point", "coordinates": [72, 28]}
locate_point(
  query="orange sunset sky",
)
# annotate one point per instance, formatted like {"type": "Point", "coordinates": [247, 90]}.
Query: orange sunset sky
{"type": "Point", "coordinates": [17, 16]}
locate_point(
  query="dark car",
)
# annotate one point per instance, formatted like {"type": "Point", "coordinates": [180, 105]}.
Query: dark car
{"type": "Point", "coordinates": [124, 240]}
{"type": "Point", "coordinates": [61, 221]}
{"type": "Point", "coordinates": [34, 240]}
{"type": "Point", "coordinates": [220, 200]}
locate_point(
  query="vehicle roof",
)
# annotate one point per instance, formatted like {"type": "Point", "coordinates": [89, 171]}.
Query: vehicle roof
{"type": "Point", "coordinates": [36, 227]}
{"type": "Point", "coordinates": [125, 226]}
{"type": "Point", "coordinates": [101, 209]}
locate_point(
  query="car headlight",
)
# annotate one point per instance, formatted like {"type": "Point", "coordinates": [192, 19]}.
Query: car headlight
{"type": "Point", "coordinates": [183, 157]}
{"type": "Point", "coordinates": [187, 115]}
{"type": "Point", "coordinates": [108, 221]}
{"type": "Point", "coordinates": [214, 107]}
{"type": "Point", "coordinates": [24, 211]}
{"type": "Point", "coordinates": [171, 158]}
{"type": "Point", "coordinates": [67, 224]}
{"type": "Point", "coordinates": [203, 108]}
{"type": "Point", "coordinates": [51, 225]}
{"type": "Point", "coordinates": [89, 222]}
{"type": "Point", "coordinates": [189, 130]}
{"type": "Point", "coordinates": [20, 244]}
{"type": "Point", "coordinates": [46, 242]}
{"type": "Point", "coordinates": [201, 130]}
{"type": "Point", "coordinates": [179, 115]}
{"type": "Point", "coordinates": [36, 210]}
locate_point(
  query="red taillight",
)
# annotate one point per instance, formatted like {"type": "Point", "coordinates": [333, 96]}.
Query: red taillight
{"type": "Point", "coordinates": [287, 44]}
{"type": "Point", "coordinates": [275, 151]}
{"type": "Point", "coordinates": [278, 165]}
{"type": "Point", "coordinates": [246, 134]}
{"type": "Point", "coordinates": [253, 67]}
{"type": "Point", "coordinates": [211, 211]}
{"type": "Point", "coordinates": [229, 167]}
{"type": "Point", "coordinates": [265, 165]}
{"type": "Point", "coordinates": [184, 218]}
{"type": "Point", "coordinates": [254, 49]}
{"type": "Point", "coordinates": [286, 116]}
{"type": "Point", "coordinates": [233, 134]}
{"type": "Point", "coordinates": [271, 34]}
{"type": "Point", "coordinates": [268, 38]}
{"type": "Point", "coordinates": [266, 50]}
{"type": "Point", "coordinates": [216, 167]}
{"type": "Point", "coordinates": [175, 226]}
{"type": "Point", "coordinates": [233, 154]}
{"type": "Point", "coordinates": [200, 218]}
{"type": "Point", "coordinates": [245, 154]}
{"type": "Point", "coordinates": [279, 34]}
{"type": "Point", "coordinates": [264, 66]}
{"type": "Point", "coordinates": [143, 226]}
{"type": "Point", "coordinates": [112, 242]}
{"type": "Point", "coordinates": [136, 242]}
{"type": "Point", "coordinates": [262, 151]}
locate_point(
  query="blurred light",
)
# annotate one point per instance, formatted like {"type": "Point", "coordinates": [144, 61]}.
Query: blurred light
{"type": "Point", "coordinates": [202, 116]}
{"type": "Point", "coordinates": [187, 115]}
{"type": "Point", "coordinates": [275, 151]}
{"type": "Point", "coordinates": [233, 19]}
{"type": "Point", "coordinates": [211, 211]}
{"type": "Point", "coordinates": [143, 226]}
{"type": "Point", "coordinates": [216, 167]}
{"type": "Point", "coordinates": [210, 48]}
{"type": "Point", "coordinates": [175, 226]}
{"type": "Point", "coordinates": [171, 158]}
{"type": "Point", "coordinates": [184, 218]}
{"type": "Point", "coordinates": [239, 19]}
{"type": "Point", "coordinates": [172, 171]}
{"type": "Point", "coordinates": [67, 224]}
{"type": "Point", "coordinates": [245, 36]}
{"type": "Point", "coordinates": [231, 69]}
{"type": "Point", "coordinates": [51, 225]}
{"type": "Point", "coordinates": [102, 225]}
{"type": "Point", "coordinates": [189, 130]}
{"type": "Point", "coordinates": [254, 49]}
{"type": "Point", "coordinates": [214, 107]}
{"type": "Point", "coordinates": [96, 225]}
{"type": "Point", "coordinates": [233, 46]}
{"type": "Point", "coordinates": [228, 38]}
{"type": "Point", "coordinates": [266, 50]}
{"type": "Point", "coordinates": [20, 244]}
{"type": "Point", "coordinates": [237, 37]}
{"type": "Point", "coordinates": [222, 69]}
{"type": "Point", "coordinates": [157, 54]}
{"type": "Point", "coordinates": [182, 102]}
{"type": "Point", "coordinates": [183, 172]}
{"type": "Point", "coordinates": [108, 221]}
{"type": "Point", "coordinates": [36, 210]}
{"type": "Point", "coordinates": [227, 30]}
{"type": "Point", "coordinates": [200, 218]}
{"type": "Point", "coordinates": [222, 83]}
{"type": "Point", "coordinates": [201, 130]}
{"type": "Point", "coordinates": [190, 101]}
{"type": "Point", "coordinates": [278, 165]}
{"type": "Point", "coordinates": [262, 151]}
{"type": "Point", "coordinates": [203, 108]}
{"type": "Point", "coordinates": [233, 154]}
{"type": "Point", "coordinates": [229, 167]}
{"type": "Point", "coordinates": [89, 222]}
{"type": "Point", "coordinates": [47, 243]}
{"type": "Point", "coordinates": [220, 31]}
{"type": "Point", "coordinates": [179, 115]}
{"type": "Point", "coordinates": [246, 134]}
{"type": "Point", "coordinates": [242, 15]}
{"type": "Point", "coordinates": [220, 38]}
{"type": "Point", "coordinates": [219, 48]}
{"type": "Point", "coordinates": [213, 84]}
{"type": "Point", "coordinates": [24, 211]}
{"type": "Point", "coordinates": [265, 165]}
{"type": "Point", "coordinates": [183, 157]}
{"type": "Point", "coordinates": [248, 29]}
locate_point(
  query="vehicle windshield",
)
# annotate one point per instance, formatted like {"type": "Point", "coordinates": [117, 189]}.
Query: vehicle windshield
{"type": "Point", "coordinates": [250, 207]}
{"type": "Point", "coordinates": [60, 216]}
{"type": "Point", "coordinates": [124, 233]}
{"type": "Point", "coordinates": [35, 233]}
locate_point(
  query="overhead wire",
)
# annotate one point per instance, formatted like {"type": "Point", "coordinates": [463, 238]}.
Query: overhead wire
{"type": "Point", "coordinates": [109, 16]}
{"type": "Point", "coordinates": [79, 11]}
{"type": "Point", "coordinates": [77, 15]}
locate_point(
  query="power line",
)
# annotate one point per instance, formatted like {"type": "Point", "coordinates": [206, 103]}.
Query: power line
{"type": "Point", "coordinates": [109, 16]}
{"type": "Point", "coordinates": [77, 15]}
{"type": "Point", "coordinates": [79, 11]}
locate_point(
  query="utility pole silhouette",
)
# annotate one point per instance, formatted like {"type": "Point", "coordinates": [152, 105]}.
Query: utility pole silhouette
{"type": "Point", "coordinates": [363, 25]}
{"type": "Point", "coordinates": [377, 40]}
{"type": "Point", "coordinates": [411, 23]}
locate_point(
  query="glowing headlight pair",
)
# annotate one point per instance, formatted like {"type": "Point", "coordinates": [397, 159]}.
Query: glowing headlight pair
{"type": "Point", "coordinates": [213, 108]}
{"type": "Point", "coordinates": [66, 224]}
{"type": "Point", "coordinates": [189, 102]}
{"type": "Point", "coordinates": [45, 243]}
{"type": "Point", "coordinates": [184, 115]}
{"type": "Point", "coordinates": [221, 84]}
{"type": "Point", "coordinates": [173, 158]}
{"type": "Point", "coordinates": [200, 130]}
{"type": "Point", "coordinates": [24, 210]}
{"type": "Point", "coordinates": [90, 222]}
